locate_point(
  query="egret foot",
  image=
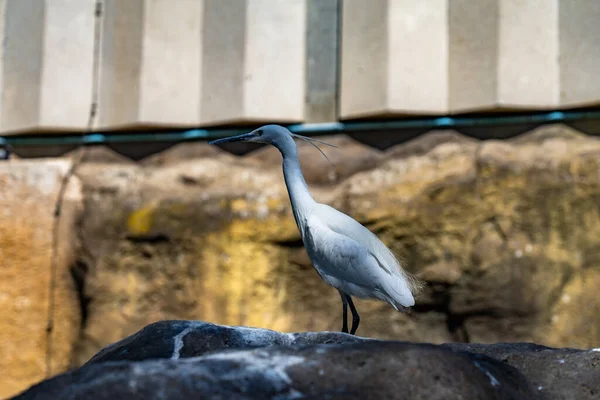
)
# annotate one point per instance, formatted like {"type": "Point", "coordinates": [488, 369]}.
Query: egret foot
{"type": "Point", "coordinates": [344, 313]}
{"type": "Point", "coordinates": [347, 301]}
{"type": "Point", "coordinates": [355, 316]}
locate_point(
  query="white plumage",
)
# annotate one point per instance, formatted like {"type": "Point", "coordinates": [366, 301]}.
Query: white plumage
{"type": "Point", "coordinates": [352, 259]}
{"type": "Point", "coordinates": [345, 254]}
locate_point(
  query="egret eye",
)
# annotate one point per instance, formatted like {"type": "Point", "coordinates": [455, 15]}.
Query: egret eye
{"type": "Point", "coordinates": [259, 132]}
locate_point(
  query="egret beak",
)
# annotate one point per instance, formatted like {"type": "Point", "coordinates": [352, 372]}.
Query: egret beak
{"type": "Point", "coordinates": [239, 138]}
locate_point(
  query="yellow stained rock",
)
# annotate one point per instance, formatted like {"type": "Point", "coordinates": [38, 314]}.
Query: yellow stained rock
{"type": "Point", "coordinates": [140, 221]}
{"type": "Point", "coordinates": [240, 282]}
{"type": "Point", "coordinates": [28, 192]}
{"type": "Point", "coordinates": [574, 318]}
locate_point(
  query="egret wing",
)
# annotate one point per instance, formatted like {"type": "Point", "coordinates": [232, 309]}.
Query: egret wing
{"type": "Point", "coordinates": [340, 259]}
{"type": "Point", "coordinates": [349, 266]}
{"type": "Point", "coordinates": [346, 226]}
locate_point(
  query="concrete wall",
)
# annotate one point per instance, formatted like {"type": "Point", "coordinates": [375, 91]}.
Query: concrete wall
{"type": "Point", "coordinates": [453, 56]}
{"type": "Point", "coordinates": [46, 64]}
{"type": "Point", "coordinates": [185, 63]}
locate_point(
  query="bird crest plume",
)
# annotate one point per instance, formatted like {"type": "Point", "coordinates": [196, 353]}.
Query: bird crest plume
{"type": "Point", "coordinates": [311, 140]}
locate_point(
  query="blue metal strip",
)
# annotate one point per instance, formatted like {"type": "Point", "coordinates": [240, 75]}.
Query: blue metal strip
{"type": "Point", "coordinates": [446, 122]}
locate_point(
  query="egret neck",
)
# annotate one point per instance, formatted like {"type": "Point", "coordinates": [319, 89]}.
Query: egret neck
{"type": "Point", "coordinates": [300, 197]}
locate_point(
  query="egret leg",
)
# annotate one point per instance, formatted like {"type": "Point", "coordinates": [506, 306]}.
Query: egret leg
{"type": "Point", "coordinates": [344, 313]}
{"type": "Point", "coordinates": [355, 316]}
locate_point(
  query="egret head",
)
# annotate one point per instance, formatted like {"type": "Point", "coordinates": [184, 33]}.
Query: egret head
{"type": "Point", "coordinates": [269, 134]}
{"type": "Point", "coordinates": [275, 135]}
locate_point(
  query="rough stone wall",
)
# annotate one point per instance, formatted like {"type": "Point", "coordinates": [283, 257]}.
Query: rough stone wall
{"type": "Point", "coordinates": [28, 191]}
{"type": "Point", "coordinates": [505, 233]}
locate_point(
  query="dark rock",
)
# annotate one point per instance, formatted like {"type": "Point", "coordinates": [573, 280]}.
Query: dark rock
{"type": "Point", "coordinates": [193, 359]}
{"type": "Point", "coordinates": [182, 339]}
{"type": "Point", "coordinates": [557, 373]}
{"type": "Point", "coordinates": [370, 369]}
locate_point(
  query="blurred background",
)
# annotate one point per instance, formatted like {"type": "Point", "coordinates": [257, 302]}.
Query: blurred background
{"type": "Point", "coordinates": [467, 134]}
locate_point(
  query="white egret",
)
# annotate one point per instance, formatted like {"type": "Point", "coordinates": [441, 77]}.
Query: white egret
{"type": "Point", "coordinates": [345, 254]}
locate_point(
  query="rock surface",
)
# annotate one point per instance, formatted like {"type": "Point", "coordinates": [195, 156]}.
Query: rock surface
{"type": "Point", "coordinates": [181, 339]}
{"type": "Point", "coordinates": [179, 359]}
{"type": "Point", "coordinates": [556, 373]}
{"type": "Point", "coordinates": [28, 192]}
